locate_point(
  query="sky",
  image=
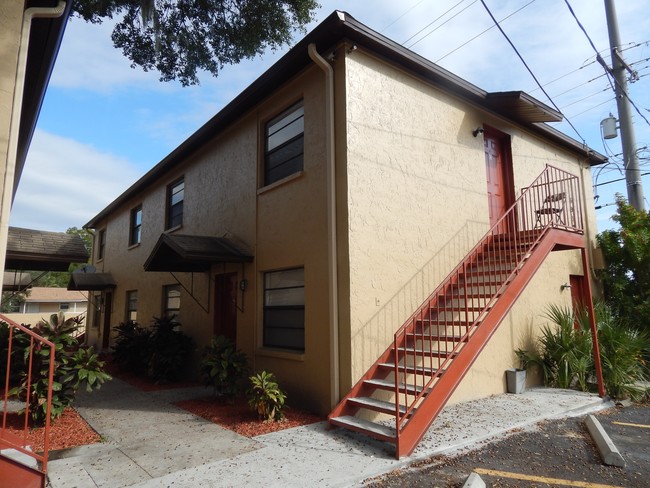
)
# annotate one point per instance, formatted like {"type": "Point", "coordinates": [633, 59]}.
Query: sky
{"type": "Point", "coordinates": [104, 124]}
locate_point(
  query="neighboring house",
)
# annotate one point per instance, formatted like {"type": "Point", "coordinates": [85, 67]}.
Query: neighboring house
{"type": "Point", "coordinates": [315, 213]}
{"type": "Point", "coordinates": [30, 35]}
{"type": "Point", "coordinates": [41, 302]}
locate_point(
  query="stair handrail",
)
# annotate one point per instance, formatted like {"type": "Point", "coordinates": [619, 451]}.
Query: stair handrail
{"type": "Point", "coordinates": [551, 181]}
{"type": "Point", "coordinates": [8, 439]}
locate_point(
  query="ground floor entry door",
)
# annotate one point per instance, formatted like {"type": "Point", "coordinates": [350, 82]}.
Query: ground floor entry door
{"type": "Point", "coordinates": [225, 306]}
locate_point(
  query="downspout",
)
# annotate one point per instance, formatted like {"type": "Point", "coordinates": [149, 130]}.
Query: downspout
{"type": "Point", "coordinates": [12, 149]}
{"type": "Point", "coordinates": [331, 222]}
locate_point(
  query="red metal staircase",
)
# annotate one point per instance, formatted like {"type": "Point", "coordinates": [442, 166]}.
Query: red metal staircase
{"type": "Point", "coordinates": [413, 379]}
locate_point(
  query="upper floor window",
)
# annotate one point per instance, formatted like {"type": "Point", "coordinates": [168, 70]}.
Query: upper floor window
{"type": "Point", "coordinates": [175, 197]}
{"type": "Point", "coordinates": [101, 239]}
{"type": "Point", "coordinates": [135, 228]}
{"type": "Point", "coordinates": [284, 309]}
{"type": "Point", "coordinates": [132, 305]}
{"type": "Point", "coordinates": [284, 144]}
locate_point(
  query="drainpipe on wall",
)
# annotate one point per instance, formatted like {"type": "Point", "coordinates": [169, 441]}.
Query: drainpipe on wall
{"type": "Point", "coordinates": [14, 127]}
{"type": "Point", "coordinates": [591, 271]}
{"type": "Point", "coordinates": [331, 222]}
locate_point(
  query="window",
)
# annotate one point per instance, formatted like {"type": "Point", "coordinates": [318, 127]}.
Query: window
{"type": "Point", "coordinates": [284, 138]}
{"type": "Point", "coordinates": [172, 301]}
{"type": "Point", "coordinates": [64, 307]}
{"type": "Point", "coordinates": [284, 309]}
{"type": "Point", "coordinates": [175, 196]}
{"type": "Point", "coordinates": [102, 244]}
{"type": "Point", "coordinates": [132, 305]}
{"type": "Point", "coordinates": [135, 229]}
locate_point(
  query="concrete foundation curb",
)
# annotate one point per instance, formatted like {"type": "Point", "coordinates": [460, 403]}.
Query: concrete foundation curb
{"type": "Point", "coordinates": [474, 481]}
{"type": "Point", "coordinates": [608, 451]}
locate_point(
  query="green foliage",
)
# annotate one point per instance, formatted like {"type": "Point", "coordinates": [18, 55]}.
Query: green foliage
{"type": "Point", "coordinates": [265, 397]}
{"type": "Point", "coordinates": [178, 38]}
{"type": "Point", "coordinates": [565, 353]}
{"type": "Point", "coordinates": [223, 367]}
{"type": "Point", "coordinates": [168, 350]}
{"type": "Point", "coordinates": [12, 300]}
{"type": "Point", "coordinates": [159, 352]}
{"type": "Point", "coordinates": [74, 366]}
{"type": "Point", "coordinates": [626, 278]}
{"type": "Point", "coordinates": [131, 347]}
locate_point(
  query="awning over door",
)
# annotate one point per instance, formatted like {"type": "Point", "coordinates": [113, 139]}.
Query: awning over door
{"type": "Point", "coordinates": [38, 250]}
{"type": "Point", "coordinates": [90, 281]}
{"type": "Point", "coordinates": [15, 281]}
{"type": "Point", "coordinates": [176, 252]}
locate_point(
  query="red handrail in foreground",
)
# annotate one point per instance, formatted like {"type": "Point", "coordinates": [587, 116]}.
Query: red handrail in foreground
{"type": "Point", "coordinates": [7, 438]}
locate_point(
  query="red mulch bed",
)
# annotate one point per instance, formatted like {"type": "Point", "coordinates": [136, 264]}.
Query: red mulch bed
{"type": "Point", "coordinates": [69, 430]}
{"type": "Point", "coordinates": [237, 416]}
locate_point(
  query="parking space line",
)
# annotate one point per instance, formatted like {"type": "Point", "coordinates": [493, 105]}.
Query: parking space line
{"type": "Point", "coordinates": [641, 426]}
{"type": "Point", "coordinates": [542, 479]}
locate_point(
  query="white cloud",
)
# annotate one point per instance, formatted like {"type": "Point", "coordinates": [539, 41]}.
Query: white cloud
{"type": "Point", "coordinates": [65, 183]}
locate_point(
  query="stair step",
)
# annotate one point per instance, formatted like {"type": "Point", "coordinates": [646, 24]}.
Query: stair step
{"type": "Point", "coordinates": [411, 369]}
{"type": "Point", "coordinates": [390, 386]}
{"type": "Point", "coordinates": [373, 429]}
{"type": "Point", "coordinates": [376, 405]}
{"type": "Point", "coordinates": [426, 352]}
{"type": "Point", "coordinates": [426, 336]}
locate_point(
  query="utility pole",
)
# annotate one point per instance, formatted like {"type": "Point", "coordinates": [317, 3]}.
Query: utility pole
{"type": "Point", "coordinates": [628, 138]}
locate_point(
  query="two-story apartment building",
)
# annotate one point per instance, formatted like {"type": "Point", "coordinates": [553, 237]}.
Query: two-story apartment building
{"type": "Point", "coordinates": [311, 216]}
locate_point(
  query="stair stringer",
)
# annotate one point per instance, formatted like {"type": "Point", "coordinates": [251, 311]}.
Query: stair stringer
{"type": "Point", "coordinates": [417, 426]}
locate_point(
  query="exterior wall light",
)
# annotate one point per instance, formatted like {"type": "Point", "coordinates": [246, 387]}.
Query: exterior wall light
{"type": "Point", "coordinates": [477, 131]}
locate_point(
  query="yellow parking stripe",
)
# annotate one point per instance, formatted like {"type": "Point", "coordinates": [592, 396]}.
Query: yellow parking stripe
{"type": "Point", "coordinates": [641, 426]}
{"type": "Point", "coordinates": [542, 479]}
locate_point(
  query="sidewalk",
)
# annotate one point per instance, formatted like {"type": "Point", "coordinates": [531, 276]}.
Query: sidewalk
{"type": "Point", "coordinates": [150, 443]}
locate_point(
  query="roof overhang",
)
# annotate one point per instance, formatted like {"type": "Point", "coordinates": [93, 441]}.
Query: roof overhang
{"type": "Point", "coordinates": [16, 281]}
{"type": "Point", "coordinates": [522, 107]}
{"type": "Point", "coordinates": [38, 250]}
{"type": "Point", "coordinates": [80, 281]}
{"type": "Point", "coordinates": [185, 253]}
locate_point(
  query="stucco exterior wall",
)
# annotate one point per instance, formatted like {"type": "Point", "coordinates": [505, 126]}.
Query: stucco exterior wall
{"type": "Point", "coordinates": [417, 202]}
{"type": "Point", "coordinates": [283, 225]}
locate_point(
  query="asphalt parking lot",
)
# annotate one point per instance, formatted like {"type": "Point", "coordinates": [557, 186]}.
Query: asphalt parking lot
{"type": "Point", "coordinates": [557, 453]}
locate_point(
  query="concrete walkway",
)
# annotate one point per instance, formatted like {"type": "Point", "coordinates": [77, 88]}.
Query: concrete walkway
{"type": "Point", "coordinates": [150, 443]}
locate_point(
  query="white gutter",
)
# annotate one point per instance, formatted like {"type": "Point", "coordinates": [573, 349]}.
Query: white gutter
{"type": "Point", "coordinates": [14, 124]}
{"type": "Point", "coordinates": [331, 222]}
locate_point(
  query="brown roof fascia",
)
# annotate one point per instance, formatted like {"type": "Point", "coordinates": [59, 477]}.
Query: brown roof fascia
{"type": "Point", "coordinates": [338, 26]}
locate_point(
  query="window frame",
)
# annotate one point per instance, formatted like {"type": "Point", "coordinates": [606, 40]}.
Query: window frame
{"type": "Point", "coordinates": [174, 221]}
{"type": "Point", "coordinates": [128, 317]}
{"type": "Point", "coordinates": [101, 244]}
{"type": "Point", "coordinates": [287, 113]}
{"type": "Point", "coordinates": [268, 309]}
{"type": "Point", "coordinates": [135, 226]}
{"type": "Point", "coordinates": [170, 312]}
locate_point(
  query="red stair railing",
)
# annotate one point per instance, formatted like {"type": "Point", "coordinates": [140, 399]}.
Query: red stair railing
{"type": "Point", "coordinates": [8, 439]}
{"type": "Point", "coordinates": [551, 201]}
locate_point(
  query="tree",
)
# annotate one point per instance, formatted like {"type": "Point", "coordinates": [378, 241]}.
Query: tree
{"type": "Point", "coordinates": [626, 277]}
{"type": "Point", "coordinates": [179, 37]}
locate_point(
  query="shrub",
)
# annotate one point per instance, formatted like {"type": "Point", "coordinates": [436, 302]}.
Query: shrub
{"type": "Point", "coordinates": [168, 350]}
{"type": "Point", "coordinates": [75, 366]}
{"type": "Point", "coordinates": [265, 397]}
{"type": "Point", "coordinates": [131, 349]}
{"type": "Point", "coordinates": [223, 367]}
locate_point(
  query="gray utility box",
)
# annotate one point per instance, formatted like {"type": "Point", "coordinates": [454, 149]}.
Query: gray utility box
{"type": "Point", "coordinates": [516, 380]}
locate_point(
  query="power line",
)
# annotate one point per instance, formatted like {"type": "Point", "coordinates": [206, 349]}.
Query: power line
{"type": "Point", "coordinates": [530, 71]}
{"type": "Point", "coordinates": [436, 20]}
{"type": "Point", "coordinates": [481, 33]}
{"type": "Point", "coordinates": [398, 18]}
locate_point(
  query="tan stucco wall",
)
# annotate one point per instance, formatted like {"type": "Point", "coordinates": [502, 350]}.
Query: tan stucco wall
{"type": "Point", "coordinates": [417, 202]}
{"type": "Point", "coordinates": [33, 318]}
{"type": "Point", "coordinates": [283, 225]}
{"type": "Point", "coordinates": [11, 16]}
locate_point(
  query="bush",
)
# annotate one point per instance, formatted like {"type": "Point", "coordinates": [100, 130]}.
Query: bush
{"type": "Point", "coordinates": [168, 350]}
{"type": "Point", "coordinates": [265, 397]}
{"type": "Point", "coordinates": [131, 349]}
{"type": "Point", "coordinates": [75, 366]}
{"type": "Point", "coordinates": [566, 353]}
{"type": "Point", "coordinates": [223, 367]}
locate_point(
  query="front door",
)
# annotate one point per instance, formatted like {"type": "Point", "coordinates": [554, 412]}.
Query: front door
{"type": "Point", "coordinates": [225, 306]}
{"type": "Point", "coordinates": [106, 333]}
{"type": "Point", "coordinates": [498, 169]}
